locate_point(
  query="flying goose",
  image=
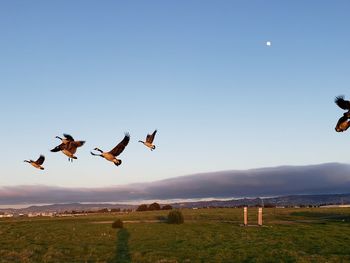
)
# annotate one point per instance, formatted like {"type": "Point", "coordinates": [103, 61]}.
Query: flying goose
{"type": "Point", "coordinates": [149, 140]}
{"type": "Point", "coordinates": [111, 155]}
{"type": "Point", "coordinates": [37, 163]}
{"type": "Point", "coordinates": [343, 123]}
{"type": "Point", "coordinates": [68, 146]}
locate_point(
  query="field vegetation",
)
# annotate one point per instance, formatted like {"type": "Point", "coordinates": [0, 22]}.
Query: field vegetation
{"type": "Point", "coordinates": [208, 235]}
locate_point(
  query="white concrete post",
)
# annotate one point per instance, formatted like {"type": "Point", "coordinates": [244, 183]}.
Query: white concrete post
{"type": "Point", "coordinates": [260, 217]}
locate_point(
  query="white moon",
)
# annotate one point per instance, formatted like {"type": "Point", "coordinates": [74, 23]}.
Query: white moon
{"type": "Point", "coordinates": [268, 43]}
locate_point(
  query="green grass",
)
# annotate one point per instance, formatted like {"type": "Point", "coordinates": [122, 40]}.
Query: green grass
{"type": "Point", "coordinates": [208, 235]}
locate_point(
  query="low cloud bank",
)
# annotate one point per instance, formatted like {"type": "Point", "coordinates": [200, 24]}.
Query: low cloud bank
{"type": "Point", "coordinates": [284, 180]}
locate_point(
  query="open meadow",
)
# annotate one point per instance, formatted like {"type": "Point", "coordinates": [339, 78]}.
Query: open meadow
{"type": "Point", "coordinates": [208, 235]}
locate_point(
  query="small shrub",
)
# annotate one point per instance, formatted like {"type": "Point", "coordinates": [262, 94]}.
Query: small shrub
{"type": "Point", "coordinates": [154, 206]}
{"type": "Point", "coordinates": [117, 224]}
{"type": "Point", "coordinates": [142, 208]}
{"type": "Point", "coordinates": [175, 217]}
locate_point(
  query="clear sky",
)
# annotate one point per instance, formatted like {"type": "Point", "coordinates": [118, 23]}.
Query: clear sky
{"type": "Point", "coordinates": [198, 71]}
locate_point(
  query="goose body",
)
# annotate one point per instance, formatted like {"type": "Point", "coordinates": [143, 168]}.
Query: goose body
{"type": "Point", "coordinates": [38, 163]}
{"type": "Point", "coordinates": [112, 154]}
{"type": "Point", "coordinates": [149, 140]}
{"type": "Point", "coordinates": [343, 123]}
{"type": "Point", "coordinates": [68, 146]}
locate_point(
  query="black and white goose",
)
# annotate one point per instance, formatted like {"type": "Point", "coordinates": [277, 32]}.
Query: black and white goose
{"type": "Point", "coordinates": [68, 146]}
{"type": "Point", "coordinates": [37, 163]}
{"type": "Point", "coordinates": [149, 140]}
{"type": "Point", "coordinates": [111, 155]}
{"type": "Point", "coordinates": [343, 123]}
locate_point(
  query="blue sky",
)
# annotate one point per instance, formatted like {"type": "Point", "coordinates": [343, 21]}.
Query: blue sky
{"type": "Point", "coordinates": [198, 71]}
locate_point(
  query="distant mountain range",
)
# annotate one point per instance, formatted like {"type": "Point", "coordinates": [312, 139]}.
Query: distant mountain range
{"type": "Point", "coordinates": [60, 208]}
{"type": "Point", "coordinates": [294, 200]}
{"type": "Point", "coordinates": [328, 178]}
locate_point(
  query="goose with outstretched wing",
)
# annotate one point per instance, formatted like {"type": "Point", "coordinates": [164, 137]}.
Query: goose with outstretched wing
{"type": "Point", "coordinates": [38, 163]}
{"type": "Point", "coordinates": [68, 146]}
{"type": "Point", "coordinates": [117, 150]}
{"type": "Point", "coordinates": [149, 140]}
{"type": "Point", "coordinates": [343, 123]}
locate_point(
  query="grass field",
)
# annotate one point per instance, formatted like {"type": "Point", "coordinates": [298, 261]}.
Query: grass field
{"type": "Point", "coordinates": [208, 235]}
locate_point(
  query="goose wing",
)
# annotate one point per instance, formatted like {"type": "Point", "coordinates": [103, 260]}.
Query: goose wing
{"type": "Point", "coordinates": [344, 104]}
{"type": "Point", "coordinates": [58, 148]}
{"type": "Point", "coordinates": [41, 160]}
{"type": "Point", "coordinates": [68, 137]}
{"type": "Point", "coordinates": [121, 146]}
{"type": "Point", "coordinates": [78, 143]}
{"type": "Point", "coordinates": [150, 137]}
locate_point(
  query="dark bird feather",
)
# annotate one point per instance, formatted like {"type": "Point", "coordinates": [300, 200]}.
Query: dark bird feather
{"type": "Point", "coordinates": [121, 146]}
{"type": "Point", "coordinates": [343, 104]}
{"type": "Point", "coordinates": [41, 160]}
{"type": "Point", "coordinates": [150, 137]}
{"type": "Point", "coordinates": [58, 148]}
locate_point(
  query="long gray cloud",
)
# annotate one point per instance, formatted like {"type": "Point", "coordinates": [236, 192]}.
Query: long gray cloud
{"type": "Point", "coordinates": [284, 180]}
